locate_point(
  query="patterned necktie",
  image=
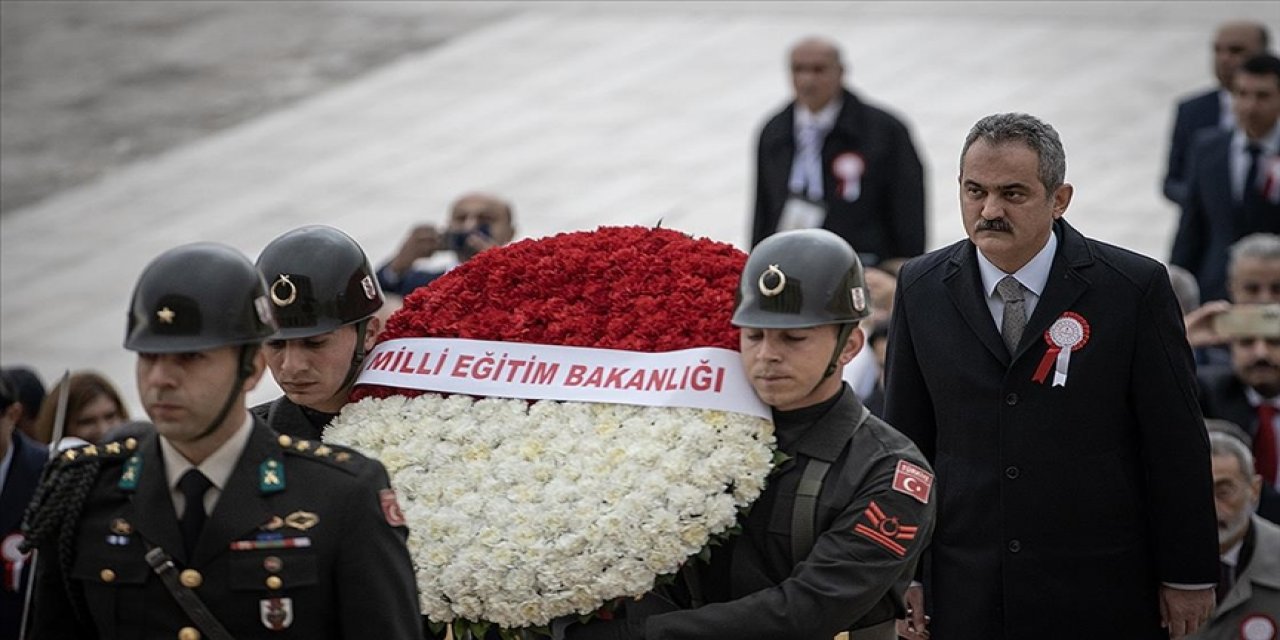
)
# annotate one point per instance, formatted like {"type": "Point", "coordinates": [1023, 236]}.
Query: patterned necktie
{"type": "Point", "coordinates": [1264, 443]}
{"type": "Point", "coordinates": [193, 486]}
{"type": "Point", "coordinates": [806, 169]}
{"type": "Point", "coordinates": [1015, 311]}
{"type": "Point", "coordinates": [1250, 193]}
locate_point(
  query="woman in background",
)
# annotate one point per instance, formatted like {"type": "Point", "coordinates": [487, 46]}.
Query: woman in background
{"type": "Point", "coordinates": [93, 408]}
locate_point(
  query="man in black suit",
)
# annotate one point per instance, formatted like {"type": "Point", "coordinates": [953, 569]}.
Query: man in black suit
{"type": "Point", "coordinates": [215, 526]}
{"type": "Point", "coordinates": [1234, 43]}
{"type": "Point", "coordinates": [21, 461]}
{"type": "Point", "coordinates": [1047, 378]}
{"type": "Point", "coordinates": [832, 161]}
{"type": "Point", "coordinates": [1233, 179]}
{"type": "Point", "coordinates": [1247, 394]}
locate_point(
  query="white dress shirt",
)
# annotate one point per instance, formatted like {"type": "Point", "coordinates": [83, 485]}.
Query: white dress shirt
{"type": "Point", "coordinates": [1033, 276]}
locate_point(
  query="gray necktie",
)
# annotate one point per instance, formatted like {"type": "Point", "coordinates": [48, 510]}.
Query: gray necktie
{"type": "Point", "coordinates": [1015, 311]}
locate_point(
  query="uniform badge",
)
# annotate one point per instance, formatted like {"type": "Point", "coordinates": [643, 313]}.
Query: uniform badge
{"type": "Point", "coordinates": [859, 299]}
{"type": "Point", "coordinates": [120, 531]}
{"type": "Point", "coordinates": [913, 481]}
{"type": "Point", "coordinates": [14, 561]}
{"type": "Point", "coordinates": [270, 476]}
{"type": "Point", "coordinates": [1070, 332]}
{"type": "Point", "coordinates": [772, 281]}
{"type": "Point", "coordinates": [129, 476]}
{"type": "Point", "coordinates": [848, 169]}
{"type": "Point", "coordinates": [391, 508]}
{"type": "Point", "coordinates": [301, 520]}
{"type": "Point", "coordinates": [166, 315]}
{"type": "Point", "coordinates": [885, 530]}
{"type": "Point", "coordinates": [276, 613]}
{"type": "Point", "coordinates": [370, 289]}
{"type": "Point", "coordinates": [1258, 626]}
{"type": "Point", "coordinates": [283, 291]}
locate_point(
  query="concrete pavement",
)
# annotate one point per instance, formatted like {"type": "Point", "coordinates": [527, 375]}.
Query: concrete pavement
{"type": "Point", "coordinates": [613, 113]}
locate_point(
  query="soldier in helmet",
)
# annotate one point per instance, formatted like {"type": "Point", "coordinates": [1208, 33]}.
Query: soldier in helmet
{"type": "Point", "coordinates": [833, 541]}
{"type": "Point", "coordinates": [324, 296]}
{"type": "Point", "coordinates": [214, 526]}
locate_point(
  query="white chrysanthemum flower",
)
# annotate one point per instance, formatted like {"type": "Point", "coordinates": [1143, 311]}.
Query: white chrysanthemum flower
{"type": "Point", "coordinates": [522, 512]}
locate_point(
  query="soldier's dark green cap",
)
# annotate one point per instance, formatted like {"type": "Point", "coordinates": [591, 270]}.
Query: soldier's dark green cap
{"type": "Point", "coordinates": [798, 279]}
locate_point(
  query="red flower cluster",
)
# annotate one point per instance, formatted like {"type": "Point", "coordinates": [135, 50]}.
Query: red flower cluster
{"type": "Point", "coordinates": [630, 288]}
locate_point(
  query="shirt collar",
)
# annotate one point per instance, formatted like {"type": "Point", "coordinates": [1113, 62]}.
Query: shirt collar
{"type": "Point", "coordinates": [1033, 275]}
{"type": "Point", "coordinates": [1270, 142]}
{"type": "Point", "coordinates": [825, 118]}
{"type": "Point", "coordinates": [1255, 399]}
{"type": "Point", "coordinates": [217, 467]}
{"type": "Point", "coordinates": [1232, 555]}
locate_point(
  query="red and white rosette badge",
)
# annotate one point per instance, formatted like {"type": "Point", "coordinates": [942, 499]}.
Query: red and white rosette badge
{"type": "Point", "coordinates": [1070, 332]}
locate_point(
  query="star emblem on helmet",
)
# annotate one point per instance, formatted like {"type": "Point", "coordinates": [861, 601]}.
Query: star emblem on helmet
{"type": "Point", "coordinates": [166, 315]}
{"type": "Point", "coordinates": [772, 281]}
{"type": "Point", "coordinates": [290, 290]}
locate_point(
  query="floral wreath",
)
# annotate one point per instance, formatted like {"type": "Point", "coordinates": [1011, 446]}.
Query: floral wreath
{"type": "Point", "coordinates": [520, 512]}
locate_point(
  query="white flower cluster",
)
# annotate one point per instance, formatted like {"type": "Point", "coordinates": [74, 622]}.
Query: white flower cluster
{"type": "Point", "coordinates": [522, 512]}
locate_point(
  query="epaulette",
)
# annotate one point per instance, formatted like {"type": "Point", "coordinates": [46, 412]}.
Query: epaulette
{"type": "Point", "coordinates": [117, 450]}
{"type": "Point", "coordinates": [334, 455]}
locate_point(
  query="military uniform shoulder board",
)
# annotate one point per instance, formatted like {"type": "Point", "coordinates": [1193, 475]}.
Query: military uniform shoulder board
{"type": "Point", "coordinates": [117, 450]}
{"type": "Point", "coordinates": [334, 455]}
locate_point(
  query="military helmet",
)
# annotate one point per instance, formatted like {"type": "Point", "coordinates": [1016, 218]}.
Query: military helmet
{"type": "Point", "coordinates": [198, 297]}
{"type": "Point", "coordinates": [802, 278]}
{"type": "Point", "coordinates": [318, 280]}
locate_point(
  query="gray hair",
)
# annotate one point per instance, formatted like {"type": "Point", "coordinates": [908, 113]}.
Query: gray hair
{"type": "Point", "coordinates": [1257, 246]}
{"type": "Point", "coordinates": [1223, 443]}
{"type": "Point", "coordinates": [1185, 288]}
{"type": "Point", "coordinates": [1035, 133]}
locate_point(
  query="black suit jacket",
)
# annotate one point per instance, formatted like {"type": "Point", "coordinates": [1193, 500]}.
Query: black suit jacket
{"type": "Point", "coordinates": [29, 457]}
{"type": "Point", "coordinates": [353, 579]}
{"type": "Point", "coordinates": [1061, 508]}
{"type": "Point", "coordinates": [1222, 396]}
{"type": "Point", "coordinates": [887, 219]}
{"type": "Point", "coordinates": [1201, 111]}
{"type": "Point", "coordinates": [1212, 219]}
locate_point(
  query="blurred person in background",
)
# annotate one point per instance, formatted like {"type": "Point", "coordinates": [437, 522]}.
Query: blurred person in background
{"type": "Point", "coordinates": [26, 383]}
{"type": "Point", "coordinates": [477, 221]}
{"type": "Point", "coordinates": [1248, 592]}
{"type": "Point", "coordinates": [93, 408]}
{"type": "Point", "coordinates": [829, 160]}
{"type": "Point", "coordinates": [21, 461]}
{"type": "Point", "coordinates": [1233, 179]}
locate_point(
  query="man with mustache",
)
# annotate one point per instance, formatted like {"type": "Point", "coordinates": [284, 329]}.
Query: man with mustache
{"type": "Point", "coordinates": [1047, 378]}
{"type": "Point", "coordinates": [324, 296]}
{"type": "Point", "coordinates": [1248, 591]}
{"type": "Point", "coordinates": [1248, 394]}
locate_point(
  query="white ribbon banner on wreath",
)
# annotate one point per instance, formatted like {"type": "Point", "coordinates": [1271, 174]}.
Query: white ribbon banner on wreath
{"type": "Point", "coordinates": [704, 378]}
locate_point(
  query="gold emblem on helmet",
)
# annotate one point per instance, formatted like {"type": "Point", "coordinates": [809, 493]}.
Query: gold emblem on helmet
{"type": "Point", "coordinates": [770, 290]}
{"type": "Point", "coordinates": [280, 284]}
{"type": "Point", "coordinates": [166, 315]}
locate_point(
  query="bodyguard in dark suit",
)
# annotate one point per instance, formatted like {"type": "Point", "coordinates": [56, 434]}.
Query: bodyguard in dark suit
{"type": "Point", "coordinates": [849, 164]}
{"type": "Point", "coordinates": [1234, 43]}
{"type": "Point", "coordinates": [1047, 378]}
{"type": "Point", "coordinates": [324, 297]}
{"type": "Point", "coordinates": [214, 526]}
{"type": "Point", "coordinates": [1233, 179]}
{"type": "Point", "coordinates": [21, 461]}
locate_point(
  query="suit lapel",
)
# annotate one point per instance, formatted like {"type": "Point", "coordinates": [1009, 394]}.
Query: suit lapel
{"type": "Point", "coordinates": [1064, 286]}
{"type": "Point", "coordinates": [151, 512]}
{"type": "Point", "coordinates": [964, 285]}
{"type": "Point", "coordinates": [241, 507]}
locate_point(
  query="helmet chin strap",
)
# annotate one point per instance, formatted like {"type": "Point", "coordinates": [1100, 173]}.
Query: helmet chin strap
{"type": "Point", "coordinates": [357, 357]}
{"type": "Point", "coordinates": [244, 369]}
{"type": "Point", "coordinates": [842, 337]}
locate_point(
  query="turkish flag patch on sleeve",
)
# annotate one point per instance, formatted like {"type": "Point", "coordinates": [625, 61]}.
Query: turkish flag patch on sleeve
{"type": "Point", "coordinates": [913, 481]}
